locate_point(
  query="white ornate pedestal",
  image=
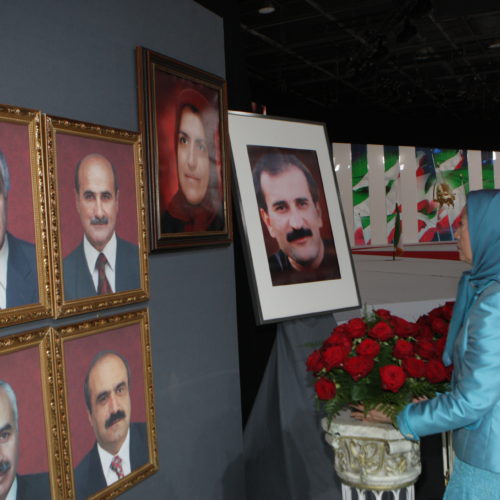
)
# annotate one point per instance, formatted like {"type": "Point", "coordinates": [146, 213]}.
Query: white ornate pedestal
{"type": "Point", "coordinates": [372, 457]}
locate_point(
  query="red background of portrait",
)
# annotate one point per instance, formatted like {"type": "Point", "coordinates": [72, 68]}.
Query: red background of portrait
{"type": "Point", "coordinates": [21, 369]}
{"type": "Point", "coordinates": [168, 88]}
{"type": "Point", "coordinates": [78, 354]}
{"type": "Point", "coordinates": [70, 150]}
{"type": "Point", "coordinates": [14, 144]}
{"type": "Point", "coordinates": [310, 160]}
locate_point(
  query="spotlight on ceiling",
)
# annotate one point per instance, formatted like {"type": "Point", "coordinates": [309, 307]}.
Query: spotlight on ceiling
{"type": "Point", "coordinates": [267, 8]}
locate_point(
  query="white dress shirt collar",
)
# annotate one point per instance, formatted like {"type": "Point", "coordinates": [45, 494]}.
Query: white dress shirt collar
{"type": "Point", "coordinates": [12, 494]}
{"type": "Point", "coordinates": [107, 458]}
{"type": "Point", "coordinates": [109, 252]}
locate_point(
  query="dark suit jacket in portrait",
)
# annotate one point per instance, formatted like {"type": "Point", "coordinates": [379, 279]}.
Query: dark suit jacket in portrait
{"type": "Point", "coordinates": [78, 281]}
{"type": "Point", "coordinates": [89, 478]}
{"type": "Point", "coordinates": [22, 278]}
{"type": "Point", "coordinates": [33, 486]}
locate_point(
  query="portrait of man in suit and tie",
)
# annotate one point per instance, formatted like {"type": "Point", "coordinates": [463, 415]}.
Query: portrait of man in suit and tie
{"type": "Point", "coordinates": [102, 263]}
{"type": "Point", "coordinates": [120, 446]}
{"type": "Point", "coordinates": [18, 273]}
{"type": "Point", "coordinates": [15, 486]}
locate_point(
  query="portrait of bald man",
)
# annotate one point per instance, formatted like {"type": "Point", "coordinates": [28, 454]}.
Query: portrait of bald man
{"type": "Point", "coordinates": [102, 263]}
{"type": "Point", "coordinates": [18, 274]}
{"type": "Point", "coordinates": [120, 446]}
{"type": "Point", "coordinates": [14, 486]}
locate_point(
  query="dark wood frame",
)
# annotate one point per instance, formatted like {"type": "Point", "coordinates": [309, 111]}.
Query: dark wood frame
{"type": "Point", "coordinates": [148, 62]}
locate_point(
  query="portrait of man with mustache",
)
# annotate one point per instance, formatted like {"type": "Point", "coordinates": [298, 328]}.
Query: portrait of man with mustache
{"type": "Point", "coordinates": [288, 201]}
{"type": "Point", "coordinates": [103, 263]}
{"type": "Point", "coordinates": [121, 446]}
{"type": "Point", "coordinates": [14, 486]}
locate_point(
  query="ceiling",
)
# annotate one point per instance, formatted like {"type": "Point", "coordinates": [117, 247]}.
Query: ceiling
{"type": "Point", "coordinates": [430, 57]}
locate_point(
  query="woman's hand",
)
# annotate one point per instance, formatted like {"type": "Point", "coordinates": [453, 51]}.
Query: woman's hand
{"type": "Point", "coordinates": [358, 412]}
{"type": "Point", "coordinates": [376, 416]}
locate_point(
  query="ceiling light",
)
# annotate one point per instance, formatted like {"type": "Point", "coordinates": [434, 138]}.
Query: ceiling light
{"type": "Point", "coordinates": [267, 8]}
{"type": "Point", "coordinates": [494, 45]}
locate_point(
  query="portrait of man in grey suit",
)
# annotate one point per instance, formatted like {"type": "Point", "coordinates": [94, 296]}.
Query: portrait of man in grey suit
{"type": "Point", "coordinates": [14, 486]}
{"type": "Point", "coordinates": [18, 274]}
{"type": "Point", "coordinates": [120, 446]}
{"type": "Point", "coordinates": [103, 263]}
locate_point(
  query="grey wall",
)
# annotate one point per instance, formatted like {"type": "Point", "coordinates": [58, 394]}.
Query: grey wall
{"type": "Point", "coordinates": [76, 59]}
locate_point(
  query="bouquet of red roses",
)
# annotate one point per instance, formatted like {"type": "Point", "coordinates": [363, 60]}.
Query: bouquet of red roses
{"type": "Point", "coordinates": [382, 361]}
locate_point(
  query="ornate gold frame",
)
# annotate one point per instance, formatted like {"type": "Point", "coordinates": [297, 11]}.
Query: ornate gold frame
{"type": "Point", "coordinates": [43, 309]}
{"type": "Point", "coordinates": [91, 328]}
{"type": "Point", "coordinates": [42, 340]}
{"type": "Point", "coordinates": [53, 127]}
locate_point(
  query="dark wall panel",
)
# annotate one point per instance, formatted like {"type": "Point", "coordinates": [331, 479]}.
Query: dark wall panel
{"type": "Point", "coordinates": [76, 59]}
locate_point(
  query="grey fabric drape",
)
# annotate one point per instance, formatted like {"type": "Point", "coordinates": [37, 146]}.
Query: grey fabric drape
{"type": "Point", "coordinates": [286, 456]}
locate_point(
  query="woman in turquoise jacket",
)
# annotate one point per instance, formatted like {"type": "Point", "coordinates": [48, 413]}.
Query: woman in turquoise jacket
{"type": "Point", "coordinates": [472, 408]}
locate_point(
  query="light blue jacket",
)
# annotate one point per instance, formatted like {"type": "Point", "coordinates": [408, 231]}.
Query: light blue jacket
{"type": "Point", "coordinates": [472, 408]}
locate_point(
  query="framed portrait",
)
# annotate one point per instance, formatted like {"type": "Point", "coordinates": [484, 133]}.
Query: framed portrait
{"type": "Point", "coordinates": [104, 379]}
{"type": "Point", "coordinates": [296, 248]}
{"type": "Point", "coordinates": [183, 117]}
{"type": "Point", "coordinates": [97, 216]}
{"type": "Point", "coordinates": [30, 446]}
{"type": "Point", "coordinates": [25, 290]}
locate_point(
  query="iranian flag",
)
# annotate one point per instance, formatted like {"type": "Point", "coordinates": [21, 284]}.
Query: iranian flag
{"type": "Point", "coordinates": [442, 184]}
{"type": "Point", "coordinates": [360, 194]}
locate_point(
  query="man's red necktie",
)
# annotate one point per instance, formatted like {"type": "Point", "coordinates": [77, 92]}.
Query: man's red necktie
{"type": "Point", "coordinates": [103, 286]}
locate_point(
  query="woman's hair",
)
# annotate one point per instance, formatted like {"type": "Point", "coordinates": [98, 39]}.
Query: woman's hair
{"type": "Point", "coordinates": [199, 105]}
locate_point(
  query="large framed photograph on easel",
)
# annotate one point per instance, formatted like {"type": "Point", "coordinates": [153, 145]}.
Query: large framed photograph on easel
{"type": "Point", "coordinates": [297, 250]}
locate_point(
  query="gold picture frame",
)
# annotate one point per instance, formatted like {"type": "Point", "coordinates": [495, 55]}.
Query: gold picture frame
{"type": "Point", "coordinates": [26, 365]}
{"type": "Point", "coordinates": [123, 338]}
{"type": "Point", "coordinates": [116, 154]}
{"type": "Point", "coordinates": [26, 285]}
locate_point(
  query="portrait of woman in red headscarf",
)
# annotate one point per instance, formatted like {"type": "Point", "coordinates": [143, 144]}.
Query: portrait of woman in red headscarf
{"type": "Point", "coordinates": [189, 157]}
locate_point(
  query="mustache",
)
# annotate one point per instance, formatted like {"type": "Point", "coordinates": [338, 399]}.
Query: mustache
{"type": "Point", "coordinates": [118, 415]}
{"type": "Point", "coordinates": [296, 234]}
{"type": "Point", "coordinates": [99, 221]}
{"type": "Point", "coordinates": [4, 466]}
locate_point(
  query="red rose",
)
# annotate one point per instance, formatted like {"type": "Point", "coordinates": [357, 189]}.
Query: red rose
{"type": "Point", "coordinates": [403, 328]}
{"type": "Point", "coordinates": [414, 367]}
{"type": "Point", "coordinates": [440, 343]}
{"type": "Point", "coordinates": [314, 362]}
{"type": "Point", "coordinates": [424, 331]}
{"type": "Point", "coordinates": [435, 371]}
{"type": "Point", "coordinates": [448, 310]}
{"type": "Point", "coordinates": [338, 338]}
{"type": "Point", "coordinates": [392, 377]}
{"type": "Point", "coordinates": [426, 349]}
{"type": "Point", "coordinates": [368, 347]}
{"type": "Point", "coordinates": [402, 349]}
{"type": "Point", "coordinates": [340, 328]}
{"type": "Point", "coordinates": [383, 313]}
{"type": "Point", "coordinates": [440, 326]}
{"type": "Point", "coordinates": [325, 389]}
{"type": "Point", "coordinates": [334, 356]}
{"type": "Point", "coordinates": [381, 331]}
{"type": "Point", "coordinates": [358, 366]}
{"type": "Point", "coordinates": [356, 328]}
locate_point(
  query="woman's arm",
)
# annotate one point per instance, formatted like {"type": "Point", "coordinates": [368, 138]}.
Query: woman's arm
{"type": "Point", "coordinates": [478, 387]}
